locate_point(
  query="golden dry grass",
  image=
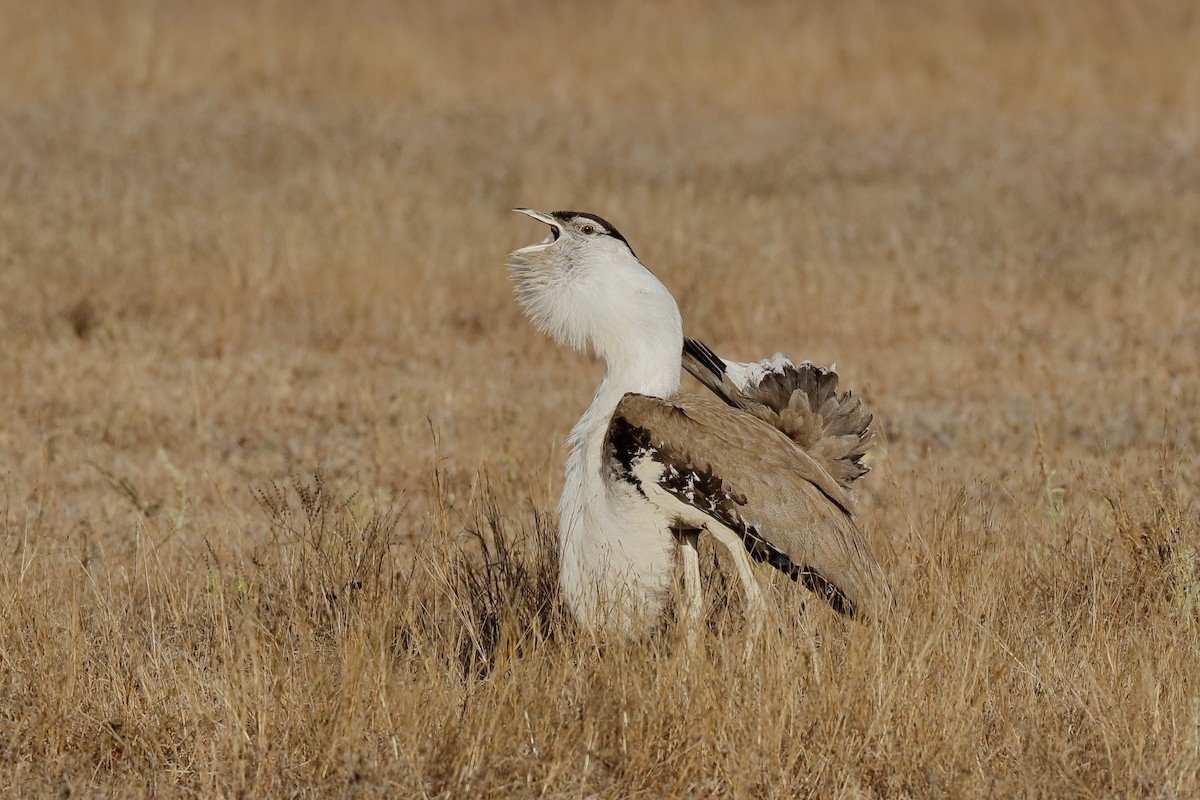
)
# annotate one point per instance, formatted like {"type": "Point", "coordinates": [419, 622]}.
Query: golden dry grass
{"type": "Point", "coordinates": [241, 241]}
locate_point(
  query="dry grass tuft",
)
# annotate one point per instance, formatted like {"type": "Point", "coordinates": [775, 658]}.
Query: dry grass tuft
{"type": "Point", "coordinates": [241, 240]}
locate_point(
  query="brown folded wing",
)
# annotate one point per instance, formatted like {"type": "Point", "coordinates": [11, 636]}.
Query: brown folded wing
{"type": "Point", "coordinates": [734, 467]}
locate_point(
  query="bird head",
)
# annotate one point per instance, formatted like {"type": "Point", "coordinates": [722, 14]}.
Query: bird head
{"type": "Point", "coordinates": [583, 286]}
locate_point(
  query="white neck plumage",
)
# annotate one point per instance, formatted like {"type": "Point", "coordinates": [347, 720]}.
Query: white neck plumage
{"type": "Point", "coordinates": [655, 371]}
{"type": "Point", "coordinates": [594, 293]}
{"type": "Point", "coordinates": [643, 359]}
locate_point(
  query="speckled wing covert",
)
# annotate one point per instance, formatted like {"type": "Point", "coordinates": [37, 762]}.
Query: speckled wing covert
{"type": "Point", "coordinates": [734, 467]}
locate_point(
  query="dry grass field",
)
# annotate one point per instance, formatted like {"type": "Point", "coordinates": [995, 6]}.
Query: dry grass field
{"type": "Point", "coordinates": [279, 455]}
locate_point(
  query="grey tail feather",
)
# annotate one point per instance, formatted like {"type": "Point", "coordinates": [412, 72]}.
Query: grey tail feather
{"type": "Point", "coordinates": [700, 351]}
{"type": "Point", "coordinates": [802, 401]}
{"type": "Point", "coordinates": [706, 367]}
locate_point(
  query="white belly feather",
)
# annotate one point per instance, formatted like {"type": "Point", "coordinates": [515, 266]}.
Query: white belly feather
{"type": "Point", "coordinates": [617, 555]}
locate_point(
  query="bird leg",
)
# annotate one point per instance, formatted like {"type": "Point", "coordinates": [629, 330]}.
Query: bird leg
{"type": "Point", "coordinates": [756, 606]}
{"type": "Point", "coordinates": [693, 600]}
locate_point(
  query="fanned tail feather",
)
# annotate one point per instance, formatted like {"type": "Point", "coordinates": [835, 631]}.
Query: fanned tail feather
{"type": "Point", "coordinates": [801, 400]}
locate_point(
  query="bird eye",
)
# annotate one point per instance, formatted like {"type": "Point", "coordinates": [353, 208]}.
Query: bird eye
{"type": "Point", "coordinates": [588, 229]}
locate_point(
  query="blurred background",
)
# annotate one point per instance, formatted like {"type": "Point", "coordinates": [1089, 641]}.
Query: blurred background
{"type": "Point", "coordinates": [243, 239]}
{"type": "Point", "coordinates": [241, 242]}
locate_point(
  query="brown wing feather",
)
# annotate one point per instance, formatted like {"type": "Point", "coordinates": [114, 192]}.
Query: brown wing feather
{"type": "Point", "coordinates": [745, 473]}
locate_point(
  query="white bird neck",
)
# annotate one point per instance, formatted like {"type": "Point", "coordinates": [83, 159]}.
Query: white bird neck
{"type": "Point", "coordinates": [645, 367]}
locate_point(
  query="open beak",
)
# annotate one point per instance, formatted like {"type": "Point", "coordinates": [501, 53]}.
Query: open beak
{"type": "Point", "coordinates": [555, 228]}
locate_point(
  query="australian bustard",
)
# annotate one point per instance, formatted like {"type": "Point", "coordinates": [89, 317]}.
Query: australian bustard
{"type": "Point", "coordinates": [768, 475]}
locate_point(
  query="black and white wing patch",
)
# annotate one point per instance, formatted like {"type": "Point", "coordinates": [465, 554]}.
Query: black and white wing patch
{"type": "Point", "coordinates": [638, 455]}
